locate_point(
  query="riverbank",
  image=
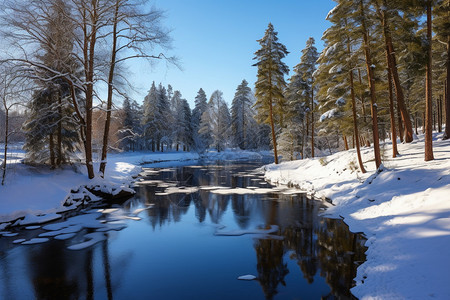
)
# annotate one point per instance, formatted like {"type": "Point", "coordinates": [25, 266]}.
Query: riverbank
{"type": "Point", "coordinates": [38, 191]}
{"type": "Point", "coordinates": [404, 211]}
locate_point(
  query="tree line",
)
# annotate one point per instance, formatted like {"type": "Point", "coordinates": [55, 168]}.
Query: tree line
{"type": "Point", "coordinates": [384, 72]}
{"type": "Point", "coordinates": [165, 121]}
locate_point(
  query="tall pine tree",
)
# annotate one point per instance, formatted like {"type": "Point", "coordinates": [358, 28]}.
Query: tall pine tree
{"type": "Point", "coordinates": [270, 84]}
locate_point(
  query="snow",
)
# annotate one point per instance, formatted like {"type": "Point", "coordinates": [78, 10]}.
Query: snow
{"type": "Point", "coordinates": [404, 211]}
{"type": "Point", "coordinates": [247, 277]}
{"type": "Point", "coordinates": [328, 114]}
{"type": "Point", "coordinates": [272, 229]}
{"type": "Point", "coordinates": [36, 195]}
{"type": "Point", "coordinates": [35, 241]}
{"type": "Point", "coordinates": [92, 239]}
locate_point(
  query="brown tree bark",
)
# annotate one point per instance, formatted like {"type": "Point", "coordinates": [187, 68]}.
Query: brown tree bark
{"type": "Point", "coordinates": [428, 90]}
{"type": "Point", "coordinates": [392, 116]}
{"type": "Point", "coordinates": [110, 91]}
{"type": "Point", "coordinates": [355, 124]}
{"type": "Point", "coordinates": [59, 158]}
{"type": "Point", "coordinates": [345, 142]}
{"type": "Point", "coordinates": [392, 65]}
{"type": "Point", "coordinates": [312, 122]}
{"type": "Point", "coordinates": [371, 78]}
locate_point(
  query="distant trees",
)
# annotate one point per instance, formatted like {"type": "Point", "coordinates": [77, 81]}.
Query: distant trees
{"type": "Point", "coordinates": [215, 122]}
{"type": "Point", "coordinates": [270, 84]}
{"type": "Point", "coordinates": [242, 117]}
{"type": "Point", "coordinates": [92, 27]}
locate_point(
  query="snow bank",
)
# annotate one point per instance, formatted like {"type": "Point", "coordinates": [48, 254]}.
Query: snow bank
{"type": "Point", "coordinates": [39, 193]}
{"type": "Point", "coordinates": [404, 211]}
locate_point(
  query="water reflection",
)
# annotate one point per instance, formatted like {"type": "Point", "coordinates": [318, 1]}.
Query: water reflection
{"type": "Point", "coordinates": [320, 246]}
{"type": "Point", "coordinates": [172, 253]}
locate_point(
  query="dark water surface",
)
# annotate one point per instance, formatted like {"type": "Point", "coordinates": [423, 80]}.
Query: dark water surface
{"type": "Point", "coordinates": [194, 245]}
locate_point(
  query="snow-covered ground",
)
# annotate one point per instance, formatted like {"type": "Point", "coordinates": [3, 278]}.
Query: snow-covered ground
{"type": "Point", "coordinates": [404, 211]}
{"type": "Point", "coordinates": [32, 191]}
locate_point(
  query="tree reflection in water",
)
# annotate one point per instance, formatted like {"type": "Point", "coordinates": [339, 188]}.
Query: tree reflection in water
{"type": "Point", "coordinates": [305, 250]}
{"type": "Point", "coordinates": [319, 245]}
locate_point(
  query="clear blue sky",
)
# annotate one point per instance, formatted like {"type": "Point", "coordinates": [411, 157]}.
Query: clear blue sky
{"type": "Point", "coordinates": [216, 40]}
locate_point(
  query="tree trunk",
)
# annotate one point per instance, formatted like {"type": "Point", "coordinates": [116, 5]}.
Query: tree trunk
{"type": "Point", "coordinates": [392, 116]}
{"type": "Point", "coordinates": [428, 100]}
{"type": "Point", "coordinates": [392, 64]}
{"type": "Point", "coordinates": [110, 92]}
{"type": "Point", "coordinates": [59, 158]}
{"type": "Point", "coordinates": [355, 124]}
{"type": "Point", "coordinates": [446, 90]}
{"type": "Point", "coordinates": [90, 21]}
{"type": "Point", "coordinates": [400, 125]}
{"type": "Point", "coordinates": [52, 150]}
{"type": "Point", "coordinates": [439, 107]}
{"type": "Point", "coordinates": [371, 77]}
{"type": "Point", "coordinates": [5, 154]}
{"type": "Point", "coordinates": [345, 142]}
{"type": "Point", "coordinates": [312, 122]}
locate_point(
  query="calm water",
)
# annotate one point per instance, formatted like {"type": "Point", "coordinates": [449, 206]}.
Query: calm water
{"type": "Point", "coordinates": [194, 245]}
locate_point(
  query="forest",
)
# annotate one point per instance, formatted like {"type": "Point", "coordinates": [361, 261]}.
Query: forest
{"type": "Point", "coordinates": [382, 74]}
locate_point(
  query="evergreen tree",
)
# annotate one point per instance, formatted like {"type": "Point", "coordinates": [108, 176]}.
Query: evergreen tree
{"type": "Point", "coordinates": [270, 83]}
{"type": "Point", "coordinates": [50, 111]}
{"type": "Point", "coordinates": [242, 115]}
{"type": "Point", "coordinates": [197, 112]}
{"type": "Point", "coordinates": [306, 68]}
{"type": "Point", "coordinates": [181, 115]}
{"type": "Point", "coordinates": [152, 119]}
{"type": "Point", "coordinates": [166, 118]}
{"type": "Point", "coordinates": [215, 122]}
{"type": "Point", "coordinates": [441, 26]}
{"type": "Point", "coordinates": [130, 133]}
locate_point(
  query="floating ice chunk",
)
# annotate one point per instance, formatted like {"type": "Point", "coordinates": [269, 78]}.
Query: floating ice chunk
{"type": "Point", "coordinates": [109, 210]}
{"type": "Point", "coordinates": [18, 241]}
{"type": "Point", "coordinates": [181, 190]}
{"type": "Point", "coordinates": [35, 241]}
{"type": "Point", "coordinates": [70, 229]}
{"type": "Point", "coordinates": [86, 221]}
{"type": "Point", "coordinates": [209, 188]}
{"type": "Point", "coordinates": [93, 238]}
{"type": "Point", "coordinates": [242, 191]}
{"type": "Point", "coordinates": [33, 227]}
{"type": "Point", "coordinates": [65, 236]}
{"type": "Point", "coordinates": [133, 218]}
{"type": "Point", "coordinates": [9, 234]}
{"type": "Point", "coordinates": [139, 210]}
{"type": "Point", "coordinates": [247, 277]}
{"type": "Point", "coordinates": [272, 229]}
{"type": "Point", "coordinates": [149, 182]}
{"type": "Point", "coordinates": [109, 227]}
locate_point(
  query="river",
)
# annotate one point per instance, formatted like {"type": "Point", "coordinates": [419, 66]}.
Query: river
{"type": "Point", "coordinates": [189, 233]}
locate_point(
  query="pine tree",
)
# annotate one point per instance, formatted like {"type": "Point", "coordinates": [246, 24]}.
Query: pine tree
{"type": "Point", "coordinates": [242, 115]}
{"type": "Point", "coordinates": [291, 137]}
{"type": "Point", "coordinates": [200, 107]}
{"type": "Point", "coordinates": [441, 26]}
{"type": "Point", "coordinates": [270, 83]}
{"type": "Point", "coordinates": [215, 122]}
{"type": "Point", "coordinates": [50, 111]}
{"type": "Point", "coordinates": [130, 132]}
{"type": "Point", "coordinates": [306, 68]}
{"type": "Point", "coordinates": [152, 119]}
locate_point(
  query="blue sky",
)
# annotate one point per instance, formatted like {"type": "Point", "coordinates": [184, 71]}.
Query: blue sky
{"type": "Point", "coordinates": [216, 40]}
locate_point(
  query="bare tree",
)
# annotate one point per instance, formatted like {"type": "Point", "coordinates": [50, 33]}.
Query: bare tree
{"type": "Point", "coordinates": [132, 29]}
{"type": "Point", "coordinates": [96, 26]}
{"type": "Point", "coordinates": [12, 90]}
